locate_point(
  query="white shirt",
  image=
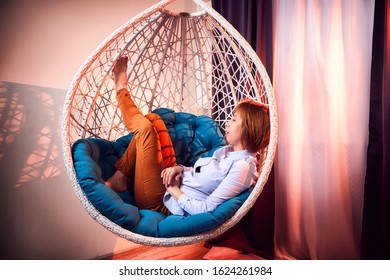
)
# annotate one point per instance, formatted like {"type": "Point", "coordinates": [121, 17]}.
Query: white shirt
{"type": "Point", "coordinates": [212, 181]}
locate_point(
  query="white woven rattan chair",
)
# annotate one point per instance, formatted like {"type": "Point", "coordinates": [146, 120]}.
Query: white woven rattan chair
{"type": "Point", "coordinates": [196, 63]}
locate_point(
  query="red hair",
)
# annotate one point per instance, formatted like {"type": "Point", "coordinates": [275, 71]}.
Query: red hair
{"type": "Point", "coordinates": [255, 124]}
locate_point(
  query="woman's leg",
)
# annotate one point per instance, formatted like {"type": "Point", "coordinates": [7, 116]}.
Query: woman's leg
{"type": "Point", "coordinates": [125, 169]}
{"type": "Point", "coordinates": [126, 164]}
{"type": "Point", "coordinates": [148, 186]}
{"type": "Point", "coordinates": [129, 109]}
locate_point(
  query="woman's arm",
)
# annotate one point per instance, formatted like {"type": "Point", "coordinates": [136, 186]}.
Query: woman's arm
{"type": "Point", "coordinates": [175, 191]}
{"type": "Point", "coordinates": [172, 175]}
{"type": "Point", "coordinates": [172, 178]}
{"type": "Point", "coordinates": [237, 180]}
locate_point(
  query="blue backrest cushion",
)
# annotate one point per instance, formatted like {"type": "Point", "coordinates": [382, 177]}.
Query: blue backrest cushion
{"type": "Point", "coordinates": [192, 136]}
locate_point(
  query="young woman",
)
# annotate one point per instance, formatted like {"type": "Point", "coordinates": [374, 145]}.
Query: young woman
{"type": "Point", "coordinates": [162, 185]}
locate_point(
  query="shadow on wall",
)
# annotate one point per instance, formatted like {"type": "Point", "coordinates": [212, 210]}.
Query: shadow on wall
{"type": "Point", "coordinates": [29, 150]}
{"type": "Point", "coordinates": [40, 215]}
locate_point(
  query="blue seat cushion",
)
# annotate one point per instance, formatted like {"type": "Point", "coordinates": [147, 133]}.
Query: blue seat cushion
{"type": "Point", "coordinates": [192, 137]}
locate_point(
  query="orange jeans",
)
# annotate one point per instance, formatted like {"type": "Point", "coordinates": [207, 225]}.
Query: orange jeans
{"type": "Point", "coordinates": [149, 152]}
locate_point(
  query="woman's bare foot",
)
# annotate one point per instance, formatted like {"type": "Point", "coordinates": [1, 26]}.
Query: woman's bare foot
{"type": "Point", "coordinates": [117, 182]}
{"type": "Point", "coordinates": [119, 71]}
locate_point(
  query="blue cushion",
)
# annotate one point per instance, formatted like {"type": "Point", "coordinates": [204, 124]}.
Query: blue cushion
{"type": "Point", "coordinates": [149, 223]}
{"type": "Point", "coordinates": [192, 137]}
{"type": "Point", "coordinates": [176, 225]}
{"type": "Point", "coordinates": [86, 155]}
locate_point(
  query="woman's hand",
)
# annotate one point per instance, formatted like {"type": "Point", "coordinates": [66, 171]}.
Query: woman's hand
{"type": "Point", "coordinates": [172, 176]}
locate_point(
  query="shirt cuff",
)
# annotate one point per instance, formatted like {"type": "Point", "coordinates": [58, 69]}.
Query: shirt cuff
{"type": "Point", "coordinates": [183, 200]}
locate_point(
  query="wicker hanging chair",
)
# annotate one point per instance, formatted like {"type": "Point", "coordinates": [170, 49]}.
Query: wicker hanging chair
{"type": "Point", "coordinates": [197, 63]}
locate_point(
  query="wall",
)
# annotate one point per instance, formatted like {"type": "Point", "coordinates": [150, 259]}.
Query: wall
{"type": "Point", "coordinates": [43, 44]}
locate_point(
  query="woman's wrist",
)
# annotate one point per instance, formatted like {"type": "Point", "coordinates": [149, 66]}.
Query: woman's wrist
{"type": "Point", "coordinates": [175, 192]}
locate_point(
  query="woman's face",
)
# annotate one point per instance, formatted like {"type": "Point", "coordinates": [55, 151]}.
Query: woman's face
{"type": "Point", "coordinates": [234, 132]}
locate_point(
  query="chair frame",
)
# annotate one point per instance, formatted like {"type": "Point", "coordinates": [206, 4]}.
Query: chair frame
{"type": "Point", "coordinates": [90, 108]}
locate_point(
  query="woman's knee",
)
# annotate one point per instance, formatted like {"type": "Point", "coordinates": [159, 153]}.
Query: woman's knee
{"type": "Point", "coordinates": [152, 117]}
{"type": "Point", "coordinates": [145, 126]}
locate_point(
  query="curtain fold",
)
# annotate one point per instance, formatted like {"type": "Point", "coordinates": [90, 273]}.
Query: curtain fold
{"type": "Point", "coordinates": [376, 216]}
{"type": "Point", "coordinates": [330, 113]}
{"type": "Point", "coordinates": [322, 57]}
{"type": "Point", "coordinates": [255, 232]}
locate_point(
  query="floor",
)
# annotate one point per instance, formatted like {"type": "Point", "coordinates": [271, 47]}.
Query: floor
{"type": "Point", "coordinates": [195, 251]}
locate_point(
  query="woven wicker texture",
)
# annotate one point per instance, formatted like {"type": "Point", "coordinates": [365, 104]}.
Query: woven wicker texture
{"type": "Point", "coordinates": [196, 63]}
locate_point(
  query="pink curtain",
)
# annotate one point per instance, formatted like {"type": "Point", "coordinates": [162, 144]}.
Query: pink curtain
{"type": "Point", "coordinates": [322, 60]}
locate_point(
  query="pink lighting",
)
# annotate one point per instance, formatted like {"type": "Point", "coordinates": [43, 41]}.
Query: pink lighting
{"type": "Point", "coordinates": [322, 62]}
